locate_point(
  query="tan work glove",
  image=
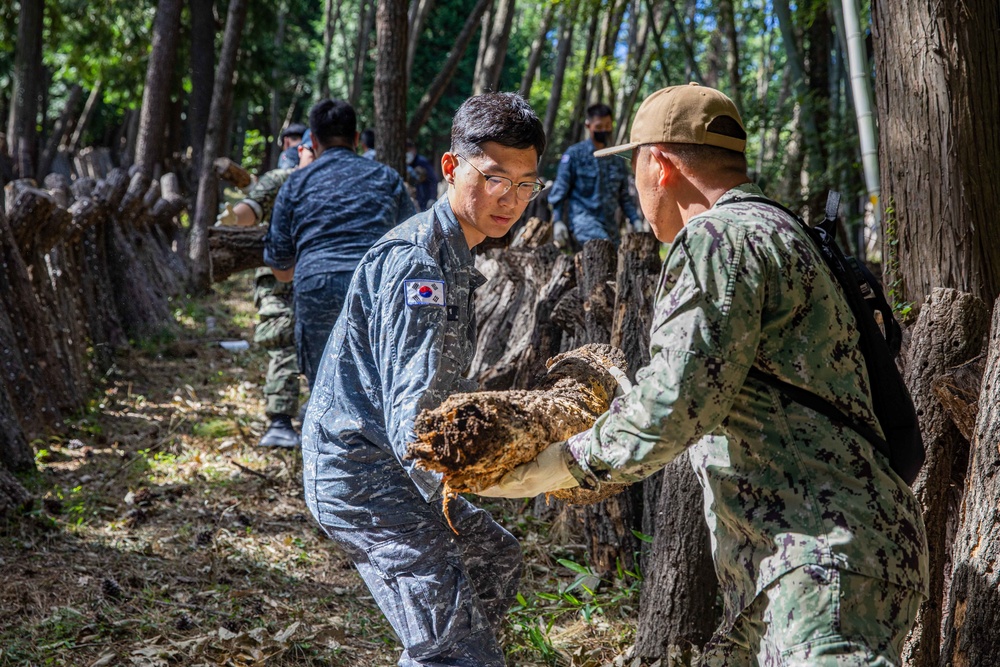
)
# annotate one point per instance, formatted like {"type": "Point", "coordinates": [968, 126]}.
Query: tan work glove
{"type": "Point", "coordinates": [548, 472]}
{"type": "Point", "coordinates": [226, 217]}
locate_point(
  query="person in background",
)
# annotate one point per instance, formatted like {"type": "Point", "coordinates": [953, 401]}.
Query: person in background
{"type": "Point", "coordinates": [290, 139]}
{"type": "Point", "coordinates": [367, 144]}
{"type": "Point", "coordinates": [273, 299]}
{"type": "Point", "coordinates": [420, 174]}
{"type": "Point", "coordinates": [404, 337]}
{"type": "Point", "coordinates": [819, 546]}
{"type": "Point", "coordinates": [588, 191]}
{"type": "Point", "coordinates": [325, 219]}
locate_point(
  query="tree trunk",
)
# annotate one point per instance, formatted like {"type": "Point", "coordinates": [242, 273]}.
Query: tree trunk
{"type": "Point", "coordinates": [537, 47]}
{"type": "Point", "coordinates": [361, 55]}
{"type": "Point", "coordinates": [574, 131]}
{"type": "Point", "coordinates": [329, 20]}
{"type": "Point", "coordinates": [444, 76]}
{"type": "Point", "coordinates": [156, 93]}
{"type": "Point", "coordinates": [88, 113]}
{"type": "Point", "coordinates": [496, 48]}
{"type": "Point", "coordinates": [974, 607]}
{"type": "Point", "coordinates": [274, 146]}
{"type": "Point", "coordinates": [391, 83]}
{"type": "Point", "coordinates": [949, 332]}
{"type": "Point", "coordinates": [24, 98]}
{"type": "Point", "coordinates": [566, 25]}
{"type": "Point", "coordinates": [958, 390]}
{"type": "Point", "coordinates": [419, 10]}
{"type": "Point", "coordinates": [937, 129]}
{"type": "Point", "coordinates": [677, 609]}
{"type": "Point", "coordinates": [202, 77]}
{"type": "Point", "coordinates": [727, 18]}
{"type": "Point", "coordinates": [484, 41]}
{"type": "Point", "coordinates": [59, 131]}
{"type": "Point", "coordinates": [222, 97]}
{"type": "Point", "coordinates": [13, 497]}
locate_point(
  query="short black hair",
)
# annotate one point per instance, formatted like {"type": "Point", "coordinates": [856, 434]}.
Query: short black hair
{"type": "Point", "coordinates": [703, 156]}
{"type": "Point", "coordinates": [505, 118]}
{"type": "Point", "coordinates": [330, 120]}
{"type": "Point", "coordinates": [599, 110]}
{"type": "Point", "coordinates": [368, 137]}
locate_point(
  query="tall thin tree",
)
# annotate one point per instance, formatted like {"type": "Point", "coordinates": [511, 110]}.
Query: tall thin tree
{"type": "Point", "coordinates": [156, 94]}
{"type": "Point", "coordinates": [222, 99]}
{"type": "Point", "coordinates": [24, 99]}
{"type": "Point", "coordinates": [202, 76]}
{"type": "Point", "coordinates": [391, 84]}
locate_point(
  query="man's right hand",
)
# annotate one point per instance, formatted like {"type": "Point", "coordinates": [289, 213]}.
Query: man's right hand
{"type": "Point", "coordinates": [548, 472]}
{"type": "Point", "coordinates": [226, 217]}
{"type": "Point", "coordinates": [560, 234]}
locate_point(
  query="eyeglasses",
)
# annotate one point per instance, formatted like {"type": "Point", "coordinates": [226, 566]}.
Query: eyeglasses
{"type": "Point", "coordinates": [498, 186]}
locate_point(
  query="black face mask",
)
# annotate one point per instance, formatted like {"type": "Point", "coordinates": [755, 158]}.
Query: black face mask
{"type": "Point", "coordinates": [603, 137]}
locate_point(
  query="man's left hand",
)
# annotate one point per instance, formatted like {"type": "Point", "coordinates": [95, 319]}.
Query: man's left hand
{"type": "Point", "coordinates": [548, 472]}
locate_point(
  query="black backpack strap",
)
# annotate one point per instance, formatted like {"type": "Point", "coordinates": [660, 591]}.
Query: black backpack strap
{"type": "Point", "coordinates": [822, 406]}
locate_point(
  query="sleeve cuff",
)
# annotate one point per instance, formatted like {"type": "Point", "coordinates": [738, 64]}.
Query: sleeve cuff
{"type": "Point", "coordinates": [581, 472]}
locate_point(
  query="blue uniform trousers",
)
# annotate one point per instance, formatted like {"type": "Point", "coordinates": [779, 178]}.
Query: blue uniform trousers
{"type": "Point", "coordinates": [318, 300]}
{"type": "Point", "coordinates": [445, 594]}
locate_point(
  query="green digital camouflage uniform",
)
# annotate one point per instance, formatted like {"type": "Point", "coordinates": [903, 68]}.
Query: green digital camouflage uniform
{"type": "Point", "coordinates": [273, 299]}
{"type": "Point", "coordinates": [790, 497]}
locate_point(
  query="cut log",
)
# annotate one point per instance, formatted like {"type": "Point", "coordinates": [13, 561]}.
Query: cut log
{"type": "Point", "coordinates": [473, 440]}
{"type": "Point", "coordinates": [958, 390]}
{"type": "Point", "coordinates": [231, 172]}
{"type": "Point", "coordinates": [235, 249]}
{"type": "Point", "coordinates": [949, 331]}
{"type": "Point", "coordinates": [13, 497]}
{"type": "Point", "coordinates": [970, 636]}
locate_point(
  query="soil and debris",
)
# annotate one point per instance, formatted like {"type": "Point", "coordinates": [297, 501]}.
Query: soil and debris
{"type": "Point", "coordinates": [163, 536]}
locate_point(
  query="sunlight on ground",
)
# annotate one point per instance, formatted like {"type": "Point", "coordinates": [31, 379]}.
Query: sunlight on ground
{"type": "Point", "coordinates": [165, 536]}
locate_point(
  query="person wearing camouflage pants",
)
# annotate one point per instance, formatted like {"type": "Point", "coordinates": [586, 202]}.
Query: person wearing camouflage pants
{"type": "Point", "coordinates": [275, 331]}
{"type": "Point", "coordinates": [819, 546]}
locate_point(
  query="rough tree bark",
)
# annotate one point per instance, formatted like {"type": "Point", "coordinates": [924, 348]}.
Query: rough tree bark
{"type": "Point", "coordinates": [419, 10]}
{"type": "Point", "coordinates": [156, 93]}
{"type": "Point", "coordinates": [59, 131]}
{"type": "Point", "coordinates": [475, 439]}
{"type": "Point", "coordinates": [950, 331]}
{"type": "Point", "coordinates": [361, 55]}
{"type": "Point", "coordinates": [958, 389]}
{"type": "Point", "coordinates": [971, 637]}
{"type": "Point", "coordinates": [566, 25]}
{"type": "Point", "coordinates": [937, 132]}
{"type": "Point", "coordinates": [391, 84]}
{"type": "Point", "coordinates": [202, 77]}
{"type": "Point", "coordinates": [24, 98]}
{"type": "Point", "coordinates": [208, 196]}
{"type": "Point", "coordinates": [235, 249]}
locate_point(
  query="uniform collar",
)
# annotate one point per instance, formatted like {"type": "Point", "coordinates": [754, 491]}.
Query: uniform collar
{"type": "Point", "coordinates": [739, 190]}
{"type": "Point", "coordinates": [458, 245]}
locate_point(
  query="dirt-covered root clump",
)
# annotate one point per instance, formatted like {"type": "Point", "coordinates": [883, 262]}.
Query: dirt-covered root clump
{"type": "Point", "coordinates": [475, 439]}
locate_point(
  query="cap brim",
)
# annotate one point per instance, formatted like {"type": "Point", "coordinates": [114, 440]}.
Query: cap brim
{"type": "Point", "coordinates": [612, 150]}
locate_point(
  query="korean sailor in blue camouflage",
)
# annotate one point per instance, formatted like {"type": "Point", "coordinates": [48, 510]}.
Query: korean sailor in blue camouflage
{"type": "Point", "coordinates": [819, 546]}
{"type": "Point", "coordinates": [325, 218]}
{"type": "Point", "coordinates": [590, 189]}
{"type": "Point", "coordinates": [403, 340]}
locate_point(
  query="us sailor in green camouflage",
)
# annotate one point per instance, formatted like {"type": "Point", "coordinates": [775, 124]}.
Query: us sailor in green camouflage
{"type": "Point", "coordinates": [276, 330]}
{"type": "Point", "coordinates": [819, 546]}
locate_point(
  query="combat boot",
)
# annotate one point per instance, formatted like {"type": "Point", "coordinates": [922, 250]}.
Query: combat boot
{"type": "Point", "coordinates": [280, 433]}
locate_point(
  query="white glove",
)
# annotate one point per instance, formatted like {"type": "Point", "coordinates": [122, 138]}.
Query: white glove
{"type": "Point", "coordinates": [560, 234]}
{"type": "Point", "coordinates": [624, 384]}
{"type": "Point", "coordinates": [227, 216]}
{"type": "Point", "coordinates": [548, 472]}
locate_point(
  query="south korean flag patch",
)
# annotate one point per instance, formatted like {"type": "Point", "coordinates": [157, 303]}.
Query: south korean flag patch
{"type": "Point", "coordinates": [424, 293]}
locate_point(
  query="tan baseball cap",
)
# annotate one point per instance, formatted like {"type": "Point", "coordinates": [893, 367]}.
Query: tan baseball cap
{"type": "Point", "coordinates": [681, 115]}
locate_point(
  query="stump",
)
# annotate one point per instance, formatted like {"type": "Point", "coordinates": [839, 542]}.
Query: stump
{"type": "Point", "coordinates": [475, 439]}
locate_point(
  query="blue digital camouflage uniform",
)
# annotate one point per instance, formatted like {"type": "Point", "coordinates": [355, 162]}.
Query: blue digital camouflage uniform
{"type": "Point", "coordinates": [403, 339]}
{"type": "Point", "coordinates": [273, 299]}
{"type": "Point", "coordinates": [325, 218]}
{"type": "Point", "coordinates": [784, 487]}
{"type": "Point", "coordinates": [594, 189]}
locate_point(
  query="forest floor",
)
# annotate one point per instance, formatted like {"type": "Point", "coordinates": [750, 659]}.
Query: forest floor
{"type": "Point", "coordinates": [164, 536]}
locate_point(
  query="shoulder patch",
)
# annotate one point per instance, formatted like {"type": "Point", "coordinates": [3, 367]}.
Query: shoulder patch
{"type": "Point", "coordinates": [424, 293]}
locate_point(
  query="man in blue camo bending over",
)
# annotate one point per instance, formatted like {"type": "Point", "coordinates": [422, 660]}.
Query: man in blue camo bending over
{"type": "Point", "coordinates": [818, 544]}
{"type": "Point", "coordinates": [403, 339]}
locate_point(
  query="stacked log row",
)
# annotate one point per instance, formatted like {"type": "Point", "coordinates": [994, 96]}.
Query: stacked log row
{"type": "Point", "coordinates": [83, 268]}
